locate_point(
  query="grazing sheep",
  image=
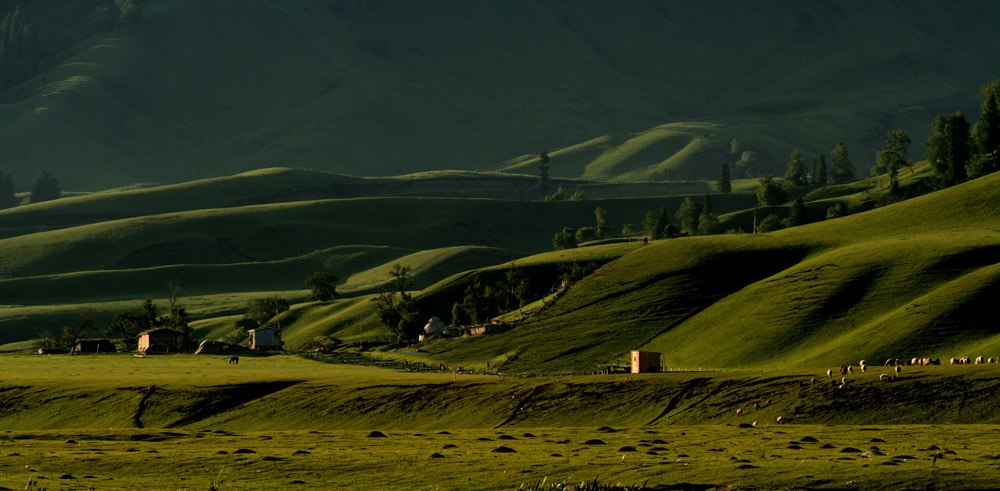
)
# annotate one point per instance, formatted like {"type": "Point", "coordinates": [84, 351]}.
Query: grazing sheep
{"type": "Point", "coordinates": [812, 380]}
{"type": "Point", "coordinates": [850, 370]}
{"type": "Point", "coordinates": [756, 406]}
{"type": "Point", "coordinates": [843, 369]}
{"type": "Point", "coordinates": [884, 377]}
{"type": "Point", "coordinates": [954, 361]}
{"type": "Point", "coordinates": [829, 373]}
{"type": "Point", "coordinates": [843, 380]}
{"type": "Point", "coordinates": [979, 360]}
{"type": "Point", "coordinates": [778, 421]}
{"type": "Point", "coordinates": [861, 363]}
{"type": "Point", "coordinates": [990, 360]}
{"type": "Point", "coordinates": [898, 369]}
{"type": "Point", "coordinates": [739, 412]}
{"type": "Point", "coordinates": [767, 403]}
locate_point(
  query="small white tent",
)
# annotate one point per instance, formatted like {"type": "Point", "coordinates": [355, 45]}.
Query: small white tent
{"type": "Point", "coordinates": [434, 326]}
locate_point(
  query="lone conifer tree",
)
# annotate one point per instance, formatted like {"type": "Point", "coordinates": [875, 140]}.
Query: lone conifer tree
{"type": "Point", "coordinates": [819, 174]}
{"type": "Point", "coordinates": [958, 147]}
{"type": "Point", "coordinates": [45, 188]}
{"type": "Point", "coordinates": [796, 173]}
{"type": "Point", "coordinates": [688, 214]}
{"type": "Point", "coordinates": [543, 173]}
{"type": "Point", "coordinates": [799, 214]}
{"type": "Point", "coordinates": [7, 197]}
{"type": "Point", "coordinates": [893, 154]}
{"type": "Point", "coordinates": [843, 169]}
{"type": "Point", "coordinates": [725, 184]}
{"type": "Point", "coordinates": [948, 149]}
{"type": "Point", "coordinates": [601, 216]}
{"type": "Point", "coordinates": [769, 193]}
{"type": "Point", "coordinates": [986, 133]}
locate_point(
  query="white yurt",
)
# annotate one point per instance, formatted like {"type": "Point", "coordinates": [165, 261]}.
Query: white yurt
{"type": "Point", "coordinates": [434, 326]}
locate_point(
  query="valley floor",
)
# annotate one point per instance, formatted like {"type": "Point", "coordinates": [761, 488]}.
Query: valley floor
{"type": "Point", "coordinates": [677, 457]}
{"type": "Point", "coordinates": [276, 422]}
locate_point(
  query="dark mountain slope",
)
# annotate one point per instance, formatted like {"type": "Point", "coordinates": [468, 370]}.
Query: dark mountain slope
{"type": "Point", "coordinates": [195, 89]}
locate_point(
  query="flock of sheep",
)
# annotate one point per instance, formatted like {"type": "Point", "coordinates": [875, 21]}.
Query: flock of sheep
{"type": "Point", "coordinates": [895, 363]}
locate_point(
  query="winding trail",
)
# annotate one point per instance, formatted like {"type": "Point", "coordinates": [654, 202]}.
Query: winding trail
{"type": "Point", "coordinates": [520, 405]}
{"type": "Point", "coordinates": [137, 418]}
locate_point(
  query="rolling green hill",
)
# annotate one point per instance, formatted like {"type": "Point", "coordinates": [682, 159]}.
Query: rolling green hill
{"type": "Point", "coordinates": [102, 252]}
{"type": "Point", "coordinates": [286, 230]}
{"type": "Point", "coordinates": [283, 185]}
{"type": "Point", "coordinates": [192, 90]}
{"type": "Point", "coordinates": [912, 279]}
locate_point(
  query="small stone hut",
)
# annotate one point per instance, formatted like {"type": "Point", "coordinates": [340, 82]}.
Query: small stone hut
{"type": "Point", "coordinates": [162, 340]}
{"type": "Point", "coordinates": [265, 338]}
{"type": "Point", "coordinates": [645, 362]}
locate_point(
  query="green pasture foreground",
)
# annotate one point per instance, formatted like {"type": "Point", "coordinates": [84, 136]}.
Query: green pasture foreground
{"type": "Point", "coordinates": [693, 457]}
{"type": "Point", "coordinates": [290, 393]}
{"type": "Point", "coordinates": [276, 422]}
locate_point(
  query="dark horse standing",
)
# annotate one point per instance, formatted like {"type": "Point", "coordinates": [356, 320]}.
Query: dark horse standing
{"type": "Point", "coordinates": [234, 360]}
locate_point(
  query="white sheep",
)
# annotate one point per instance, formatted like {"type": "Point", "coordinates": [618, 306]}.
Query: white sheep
{"type": "Point", "coordinates": [884, 377]}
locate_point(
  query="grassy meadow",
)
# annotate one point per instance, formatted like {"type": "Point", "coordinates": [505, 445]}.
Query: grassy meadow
{"type": "Point", "coordinates": [188, 422]}
{"type": "Point", "coordinates": [690, 457]}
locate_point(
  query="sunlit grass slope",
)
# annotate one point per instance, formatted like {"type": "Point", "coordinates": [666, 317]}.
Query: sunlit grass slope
{"type": "Point", "coordinates": [649, 155]}
{"type": "Point", "coordinates": [910, 279]}
{"type": "Point", "coordinates": [246, 250]}
{"type": "Point", "coordinates": [354, 319]}
{"type": "Point", "coordinates": [46, 303]}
